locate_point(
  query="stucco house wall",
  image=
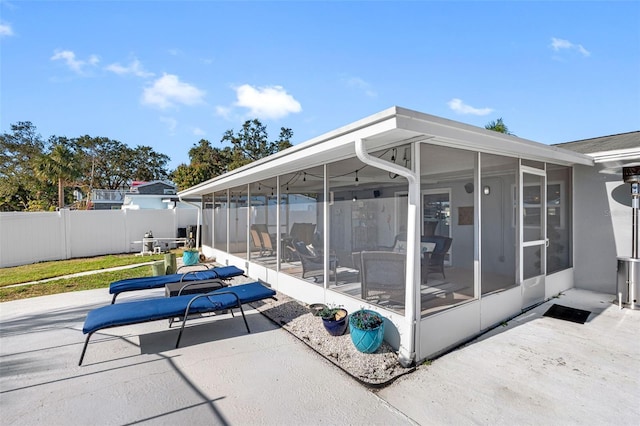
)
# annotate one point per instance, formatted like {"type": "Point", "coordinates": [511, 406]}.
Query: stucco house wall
{"type": "Point", "coordinates": [595, 216]}
{"type": "Point", "coordinates": [602, 209]}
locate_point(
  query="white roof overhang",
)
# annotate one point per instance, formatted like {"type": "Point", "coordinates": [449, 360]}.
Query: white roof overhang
{"type": "Point", "coordinates": [612, 162]}
{"type": "Point", "coordinates": [616, 155]}
{"type": "Point", "coordinates": [392, 127]}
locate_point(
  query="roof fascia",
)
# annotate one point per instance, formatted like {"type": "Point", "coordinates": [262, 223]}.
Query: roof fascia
{"type": "Point", "coordinates": [459, 135]}
{"type": "Point", "coordinates": [332, 146]}
{"type": "Point", "coordinates": [339, 144]}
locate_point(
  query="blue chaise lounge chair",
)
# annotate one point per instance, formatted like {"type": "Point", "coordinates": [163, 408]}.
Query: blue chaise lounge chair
{"type": "Point", "coordinates": [128, 313]}
{"type": "Point", "coordinates": [146, 283]}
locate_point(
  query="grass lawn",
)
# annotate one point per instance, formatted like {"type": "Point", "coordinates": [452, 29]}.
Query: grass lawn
{"type": "Point", "coordinates": [46, 270]}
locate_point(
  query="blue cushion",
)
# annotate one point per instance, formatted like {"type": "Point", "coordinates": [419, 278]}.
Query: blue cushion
{"type": "Point", "coordinates": [170, 307]}
{"type": "Point", "coordinates": [146, 283]}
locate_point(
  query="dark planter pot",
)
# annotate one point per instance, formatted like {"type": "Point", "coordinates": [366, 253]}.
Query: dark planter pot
{"type": "Point", "coordinates": [336, 327]}
{"type": "Point", "coordinates": [367, 341]}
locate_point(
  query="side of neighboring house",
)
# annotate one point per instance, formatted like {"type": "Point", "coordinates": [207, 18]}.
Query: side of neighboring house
{"type": "Point", "coordinates": [140, 195]}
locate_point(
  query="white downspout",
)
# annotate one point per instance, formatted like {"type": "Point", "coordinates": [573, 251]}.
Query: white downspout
{"type": "Point", "coordinates": [407, 355]}
{"type": "Point", "coordinates": [199, 207]}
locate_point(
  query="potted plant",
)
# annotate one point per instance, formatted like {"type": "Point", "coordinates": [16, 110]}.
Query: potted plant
{"type": "Point", "coordinates": [190, 256]}
{"type": "Point", "coordinates": [334, 319]}
{"type": "Point", "coordinates": [367, 330]}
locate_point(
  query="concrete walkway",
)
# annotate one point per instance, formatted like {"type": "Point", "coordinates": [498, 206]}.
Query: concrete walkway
{"type": "Point", "coordinates": [536, 370]}
{"type": "Point", "coordinates": [219, 376]}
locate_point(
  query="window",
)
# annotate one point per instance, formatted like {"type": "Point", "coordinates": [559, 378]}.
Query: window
{"type": "Point", "coordinates": [301, 225]}
{"type": "Point", "coordinates": [436, 212]}
{"type": "Point", "coordinates": [498, 258]}
{"type": "Point", "coordinates": [556, 195]}
{"type": "Point", "coordinates": [448, 206]}
{"type": "Point", "coordinates": [368, 218]}
{"type": "Point", "coordinates": [207, 219]}
{"type": "Point", "coordinates": [263, 235]}
{"type": "Point", "coordinates": [220, 212]}
{"type": "Point", "coordinates": [559, 216]}
{"type": "Point", "coordinates": [238, 205]}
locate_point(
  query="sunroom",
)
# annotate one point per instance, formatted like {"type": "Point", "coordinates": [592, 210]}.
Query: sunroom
{"type": "Point", "coordinates": [444, 228]}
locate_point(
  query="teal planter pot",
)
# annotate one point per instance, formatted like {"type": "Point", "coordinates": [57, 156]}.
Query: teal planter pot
{"type": "Point", "coordinates": [190, 257]}
{"type": "Point", "coordinates": [367, 341]}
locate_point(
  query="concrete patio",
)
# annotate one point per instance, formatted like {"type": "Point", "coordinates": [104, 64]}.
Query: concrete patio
{"type": "Point", "coordinates": [534, 370]}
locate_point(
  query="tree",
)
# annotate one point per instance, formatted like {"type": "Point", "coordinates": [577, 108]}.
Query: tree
{"type": "Point", "coordinates": [60, 165]}
{"type": "Point", "coordinates": [110, 164]}
{"type": "Point", "coordinates": [206, 162]}
{"type": "Point", "coordinates": [148, 164]}
{"type": "Point", "coordinates": [18, 150]}
{"type": "Point", "coordinates": [251, 143]}
{"type": "Point", "coordinates": [498, 126]}
{"type": "Point", "coordinates": [31, 169]}
{"type": "Point", "coordinates": [111, 160]}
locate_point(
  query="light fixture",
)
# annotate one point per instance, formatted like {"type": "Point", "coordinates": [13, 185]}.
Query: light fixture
{"type": "Point", "coordinates": [468, 187]}
{"type": "Point", "coordinates": [486, 190]}
{"type": "Point", "coordinates": [304, 179]}
{"type": "Point", "coordinates": [357, 180]}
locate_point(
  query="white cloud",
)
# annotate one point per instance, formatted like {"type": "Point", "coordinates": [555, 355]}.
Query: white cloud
{"type": "Point", "coordinates": [134, 68]}
{"type": "Point", "coordinates": [584, 51]}
{"type": "Point", "coordinates": [197, 131]}
{"type": "Point", "coordinates": [360, 84]}
{"type": "Point", "coordinates": [461, 108]}
{"type": "Point", "coordinates": [558, 44]}
{"type": "Point", "coordinates": [267, 102]}
{"type": "Point", "coordinates": [223, 111]}
{"type": "Point", "coordinates": [170, 122]}
{"type": "Point", "coordinates": [168, 91]}
{"type": "Point", "coordinates": [5, 30]}
{"type": "Point", "coordinates": [74, 64]}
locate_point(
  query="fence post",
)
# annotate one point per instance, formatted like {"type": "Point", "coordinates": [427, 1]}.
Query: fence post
{"type": "Point", "coordinates": [66, 231]}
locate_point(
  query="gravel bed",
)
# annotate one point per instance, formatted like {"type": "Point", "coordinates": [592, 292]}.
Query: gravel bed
{"type": "Point", "coordinates": [376, 370]}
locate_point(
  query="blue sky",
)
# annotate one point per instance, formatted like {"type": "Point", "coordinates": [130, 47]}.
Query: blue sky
{"type": "Point", "coordinates": [169, 73]}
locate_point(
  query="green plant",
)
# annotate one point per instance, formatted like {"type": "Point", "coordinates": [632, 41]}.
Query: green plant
{"type": "Point", "coordinates": [65, 285]}
{"type": "Point", "coordinates": [366, 320]}
{"type": "Point", "coordinates": [332, 313]}
{"type": "Point", "coordinates": [58, 268]}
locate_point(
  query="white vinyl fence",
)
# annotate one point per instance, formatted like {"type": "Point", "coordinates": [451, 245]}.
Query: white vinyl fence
{"type": "Point", "coordinates": [27, 237]}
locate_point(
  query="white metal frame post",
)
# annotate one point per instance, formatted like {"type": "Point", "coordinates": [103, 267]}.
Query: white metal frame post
{"type": "Point", "coordinates": [407, 350]}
